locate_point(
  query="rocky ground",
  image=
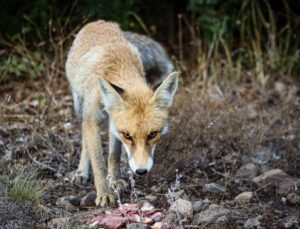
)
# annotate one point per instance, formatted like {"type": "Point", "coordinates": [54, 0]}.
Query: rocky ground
{"type": "Point", "coordinates": [231, 159]}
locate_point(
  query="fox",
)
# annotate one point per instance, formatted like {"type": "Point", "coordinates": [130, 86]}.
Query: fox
{"type": "Point", "coordinates": [128, 77]}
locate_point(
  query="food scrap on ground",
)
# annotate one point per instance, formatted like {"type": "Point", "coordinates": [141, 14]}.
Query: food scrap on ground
{"type": "Point", "coordinates": [130, 213]}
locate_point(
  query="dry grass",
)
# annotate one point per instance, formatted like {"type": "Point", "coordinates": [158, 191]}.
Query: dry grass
{"type": "Point", "coordinates": [21, 183]}
{"type": "Point", "coordinates": [263, 49]}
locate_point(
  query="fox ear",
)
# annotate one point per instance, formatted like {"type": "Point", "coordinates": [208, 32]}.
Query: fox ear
{"type": "Point", "coordinates": [111, 94]}
{"type": "Point", "coordinates": [163, 96]}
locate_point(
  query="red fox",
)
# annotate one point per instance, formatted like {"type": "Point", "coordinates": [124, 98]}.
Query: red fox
{"type": "Point", "coordinates": [128, 77]}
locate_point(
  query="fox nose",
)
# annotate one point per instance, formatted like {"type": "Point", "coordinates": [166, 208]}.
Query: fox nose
{"type": "Point", "coordinates": [141, 172]}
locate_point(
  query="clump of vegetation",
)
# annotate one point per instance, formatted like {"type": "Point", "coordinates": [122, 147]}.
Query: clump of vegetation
{"type": "Point", "coordinates": [22, 185]}
{"type": "Point", "coordinates": [229, 38]}
{"type": "Point", "coordinates": [233, 37]}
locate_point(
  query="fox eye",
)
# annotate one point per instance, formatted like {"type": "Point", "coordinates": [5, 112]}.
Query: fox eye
{"type": "Point", "coordinates": [127, 136]}
{"type": "Point", "coordinates": [152, 135]}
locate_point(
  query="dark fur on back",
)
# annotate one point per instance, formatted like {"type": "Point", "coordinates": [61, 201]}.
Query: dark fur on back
{"type": "Point", "coordinates": [156, 62]}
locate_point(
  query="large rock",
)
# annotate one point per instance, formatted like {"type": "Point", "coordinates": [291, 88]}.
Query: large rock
{"type": "Point", "coordinates": [183, 207]}
{"type": "Point", "coordinates": [277, 178]}
{"type": "Point", "coordinates": [214, 214]}
{"type": "Point", "coordinates": [247, 171]}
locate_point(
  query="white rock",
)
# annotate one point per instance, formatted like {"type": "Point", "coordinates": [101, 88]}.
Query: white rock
{"type": "Point", "coordinates": [243, 198]}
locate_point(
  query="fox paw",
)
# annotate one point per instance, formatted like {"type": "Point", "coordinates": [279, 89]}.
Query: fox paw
{"type": "Point", "coordinates": [118, 184]}
{"type": "Point", "coordinates": [79, 178]}
{"type": "Point", "coordinates": [104, 199]}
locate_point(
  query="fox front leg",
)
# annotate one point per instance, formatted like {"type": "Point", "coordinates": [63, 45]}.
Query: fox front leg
{"type": "Point", "coordinates": [115, 150]}
{"type": "Point", "coordinates": [91, 133]}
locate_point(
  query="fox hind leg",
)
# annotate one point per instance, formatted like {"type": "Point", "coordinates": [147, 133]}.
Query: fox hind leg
{"type": "Point", "coordinates": [83, 170]}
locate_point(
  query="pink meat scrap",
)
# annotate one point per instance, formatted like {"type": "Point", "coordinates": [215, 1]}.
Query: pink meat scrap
{"type": "Point", "coordinates": [130, 213]}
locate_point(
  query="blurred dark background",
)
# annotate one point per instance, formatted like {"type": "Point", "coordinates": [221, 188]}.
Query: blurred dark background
{"type": "Point", "coordinates": [242, 33]}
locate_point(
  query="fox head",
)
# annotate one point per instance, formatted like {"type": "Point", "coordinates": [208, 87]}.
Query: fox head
{"type": "Point", "coordinates": [138, 118]}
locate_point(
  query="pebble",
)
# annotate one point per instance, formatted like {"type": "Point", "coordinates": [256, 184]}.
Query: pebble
{"type": "Point", "coordinates": [152, 199]}
{"type": "Point", "coordinates": [198, 206]}
{"type": "Point", "coordinates": [88, 200]}
{"type": "Point", "coordinates": [213, 188]}
{"type": "Point", "coordinates": [293, 198]}
{"type": "Point", "coordinates": [290, 221]}
{"type": "Point", "coordinates": [66, 201]}
{"type": "Point", "coordinates": [247, 171]}
{"type": "Point", "coordinates": [243, 198]}
{"type": "Point", "coordinates": [136, 226]}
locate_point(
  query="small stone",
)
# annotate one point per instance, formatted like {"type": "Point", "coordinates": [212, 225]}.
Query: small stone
{"type": "Point", "coordinates": [68, 125]}
{"type": "Point", "coordinates": [283, 200]}
{"type": "Point", "coordinates": [243, 198]}
{"type": "Point", "coordinates": [58, 223]}
{"type": "Point", "coordinates": [213, 188]}
{"type": "Point", "coordinates": [290, 221]}
{"type": "Point", "coordinates": [136, 226]}
{"type": "Point", "coordinates": [65, 201]}
{"type": "Point", "coordinates": [35, 103]}
{"type": "Point", "coordinates": [213, 214]}
{"type": "Point", "coordinates": [75, 201]}
{"type": "Point", "coordinates": [293, 198]}
{"type": "Point", "coordinates": [288, 185]}
{"type": "Point", "coordinates": [152, 199]}
{"type": "Point", "coordinates": [253, 223]}
{"type": "Point", "coordinates": [160, 225]}
{"type": "Point", "coordinates": [88, 200]}
{"type": "Point", "coordinates": [247, 171]}
{"type": "Point", "coordinates": [280, 88]}
{"type": "Point", "coordinates": [271, 174]}
{"type": "Point", "coordinates": [183, 207]}
{"type": "Point", "coordinates": [198, 206]}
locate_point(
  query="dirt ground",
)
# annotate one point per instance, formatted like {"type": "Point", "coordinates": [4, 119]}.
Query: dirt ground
{"type": "Point", "coordinates": [213, 131]}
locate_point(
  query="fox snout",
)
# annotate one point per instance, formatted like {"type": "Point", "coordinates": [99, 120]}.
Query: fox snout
{"type": "Point", "coordinates": [141, 166]}
{"type": "Point", "coordinates": [140, 162]}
